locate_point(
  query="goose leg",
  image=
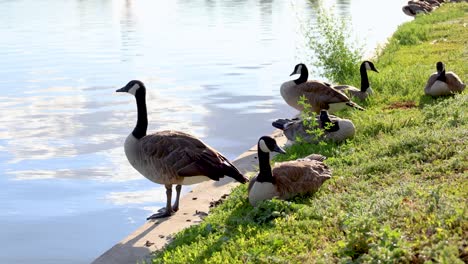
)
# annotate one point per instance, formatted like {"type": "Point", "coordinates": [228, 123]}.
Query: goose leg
{"type": "Point", "coordinates": [175, 207]}
{"type": "Point", "coordinates": [168, 211]}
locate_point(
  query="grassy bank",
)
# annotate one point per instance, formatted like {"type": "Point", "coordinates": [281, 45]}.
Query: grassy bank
{"type": "Point", "coordinates": [399, 189]}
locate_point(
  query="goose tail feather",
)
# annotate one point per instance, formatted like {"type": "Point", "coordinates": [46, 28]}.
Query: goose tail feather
{"type": "Point", "coordinates": [231, 171]}
{"type": "Point", "coordinates": [354, 105]}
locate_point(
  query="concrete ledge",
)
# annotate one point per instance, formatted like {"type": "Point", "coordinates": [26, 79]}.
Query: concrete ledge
{"type": "Point", "coordinates": [155, 234]}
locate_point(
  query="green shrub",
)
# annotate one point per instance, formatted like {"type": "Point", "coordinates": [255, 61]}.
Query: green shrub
{"type": "Point", "coordinates": [335, 55]}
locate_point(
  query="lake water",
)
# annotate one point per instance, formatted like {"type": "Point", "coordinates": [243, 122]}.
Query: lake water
{"type": "Point", "coordinates": [212, 68]}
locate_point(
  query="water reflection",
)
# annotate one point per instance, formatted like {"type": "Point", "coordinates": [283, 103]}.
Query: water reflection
{"type": "Point", "coordinates": [128, 33]}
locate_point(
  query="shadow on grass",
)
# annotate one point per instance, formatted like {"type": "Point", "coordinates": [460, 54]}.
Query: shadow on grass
{"type": "Point", "coordinates": [236, 221]}
{"type": "Point", "coordinates": [243, 221]}
{"type": "Point", "coordinates": [425, 100]}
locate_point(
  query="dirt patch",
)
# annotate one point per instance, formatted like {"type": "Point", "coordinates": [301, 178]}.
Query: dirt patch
{"type": "Point", "coordinates": [402, 105]}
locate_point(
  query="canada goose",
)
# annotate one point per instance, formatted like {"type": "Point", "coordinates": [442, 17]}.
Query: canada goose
{"type": "Point", "coordinates": [443, 83]}
{"type": "Point", "coordinates": [338, 130]}
{"type": "Point", "coordinates": [287, 179]}
{"type": "Point", "coordinates": [417, 7]}
{"type": "Point", "coordinates": [365, 90]}
{"type": "Point", "coordinates": [172, 157]}
{"type": "Point", "coordinates": [319, 95]}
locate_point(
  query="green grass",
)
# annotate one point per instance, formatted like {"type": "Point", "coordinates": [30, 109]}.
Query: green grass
{"type": "Point", "coordinates": [399, 188]}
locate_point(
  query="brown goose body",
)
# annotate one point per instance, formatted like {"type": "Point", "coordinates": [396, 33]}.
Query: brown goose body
{"type": "Point", "coordinates": [443, 83]}
{"type": "Point", "coordinates": [294, 128]}
{"type": "Point", "coordinates": [414, 9]}
{"type": "Point", "coordinates": [174, 157]}
{"type": "Point", "coordinates": [353, 91]}
{"type": "Point", "coordinates": [287, 179]}
{"type": "Point", "coordinates": [319, 95]}
{"type": "Point", "coordinates": [299, 176]}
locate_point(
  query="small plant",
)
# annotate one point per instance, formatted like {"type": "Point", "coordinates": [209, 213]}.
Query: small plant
{"type": "Point", "coordinates": [308, 119]}
{"type": "Point", "coordinates": [338, 59]}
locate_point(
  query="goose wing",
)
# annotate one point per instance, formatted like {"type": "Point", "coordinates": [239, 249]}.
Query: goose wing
{"type": "Point", "coordinates": [186, 156]}
{"type": "Point", "coordinates": [343, 88]}
{"type": "Point", "coordinates": [300, 176]}
{"type": "Point", "coordinates": [432, 79]}
{"type": "Point", "coordinates": [454, 82]}
{"type": "Point", "coordinates": [351, 91]}
{"type": "Point", "coordinates": [322, 92]}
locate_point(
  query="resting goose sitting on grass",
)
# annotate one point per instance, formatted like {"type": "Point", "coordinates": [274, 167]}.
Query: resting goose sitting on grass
{"type": "Point", "coordinates": [335, 129]}
{"type": "Point", "coordinates": [287, 179]}
{"type": "Point", "coordinates": [443, 83]}
{"type": "Point", "coordinates": [414, 8]}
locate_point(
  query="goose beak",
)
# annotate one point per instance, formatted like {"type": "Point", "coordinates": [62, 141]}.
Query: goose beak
{"type": "Point", "coordinates": [292, 74]}
{"type": "Point", "coordinates": [279, 150]}
{"type": "Point", "coordinates": [122, 90]}
{"type": "Point", "coordinates": [375, 70]}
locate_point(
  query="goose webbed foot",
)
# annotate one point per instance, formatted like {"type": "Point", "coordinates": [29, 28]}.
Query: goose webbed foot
{"type": "Point", "coordinates": [168, 210]}
{"type": "Point", "coordinates": [162, 213]}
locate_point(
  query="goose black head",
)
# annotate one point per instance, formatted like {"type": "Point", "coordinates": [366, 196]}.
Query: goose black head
{"type": "Point", "coordinates": [440, 66]}
{"type": "Point", "coordinates": [369, 65]}
{"type": "Point", "coordinates": [133, 87]}
{"type": "Point", "coordinates": [299, 69]}
{"type": "Point", "coordinates": [267, 144]}
{"type": "Point", "coordinates": [324, 116]}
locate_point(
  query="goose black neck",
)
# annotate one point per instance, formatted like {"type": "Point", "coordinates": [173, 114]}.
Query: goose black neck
{"type": "Point", "coordinates": [265, 169]}
{"type": "Point", "coordinates": [142, 119]}
{"type": "Point", "coordinates": [325, 120]}
{"type": "Point", "coordinates": [441, 77]}
{"type": "Point", "coordinates": [364, 78]}
{"type": "Point", "coordinates": [304, 75]}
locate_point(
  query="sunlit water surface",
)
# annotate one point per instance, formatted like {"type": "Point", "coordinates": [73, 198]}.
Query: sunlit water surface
{"type": "Point", "coordinates": [212, 68]}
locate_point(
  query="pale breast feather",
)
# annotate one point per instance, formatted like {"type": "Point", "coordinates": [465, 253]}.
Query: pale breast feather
{"type": "Point", "coordinates": [261, 191]}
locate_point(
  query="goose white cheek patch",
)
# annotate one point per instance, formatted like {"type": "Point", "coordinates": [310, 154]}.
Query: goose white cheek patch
{"type": "Point", "coordinates": [368, 66]}
{"type": "Point", "coordinates": [133, 89]}
{"type": "Point", "coordinates": [299, 69]}
{"type": "Point", "coordinates": [263, 146]}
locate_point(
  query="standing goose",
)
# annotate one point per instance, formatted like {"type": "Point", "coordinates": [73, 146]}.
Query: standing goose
{"type": "Point", "coordinates": [172, 157]}
{"type": "Point", "coordinates": [287, 179]}
{"type": "Point", "coordinates": [365, 90]}
{"type": "Point", "coordinates": [443, 83]}
{"type": "Point", "coordinates": [338, 130]}
{"type": "Point", "coordinates": [320, 95]}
